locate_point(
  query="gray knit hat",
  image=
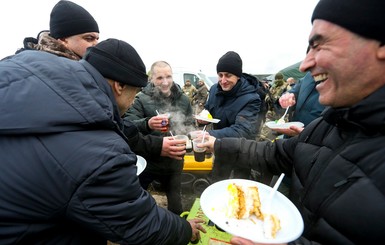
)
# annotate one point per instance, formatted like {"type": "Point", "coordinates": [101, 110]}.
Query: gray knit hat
{"type": "Point", "coordinates": [69, 19]}
{"type": "Point", "coordinates": [363, 17]}
{"type": "Point", "coordinates": [118, 60]}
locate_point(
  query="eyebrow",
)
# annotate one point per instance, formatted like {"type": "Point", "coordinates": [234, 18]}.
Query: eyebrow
{"type": "Point", "coordinates": [315, 38]}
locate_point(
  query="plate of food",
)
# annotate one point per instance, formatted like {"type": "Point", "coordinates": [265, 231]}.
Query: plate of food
{"type": "Point", "coordinates": [285, 125]}
{"type": "Point", "coordinates": [141, 164]}
{"type": "Point", "coordinates": [247, 217]}
{"type": "Point", "coordinates": [212, 120]}
{"type": "Point", "coordinates": [206, 116]}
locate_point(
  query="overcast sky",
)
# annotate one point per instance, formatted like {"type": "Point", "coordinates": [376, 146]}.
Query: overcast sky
{"type": "Point", "coordinates": [269, 35]}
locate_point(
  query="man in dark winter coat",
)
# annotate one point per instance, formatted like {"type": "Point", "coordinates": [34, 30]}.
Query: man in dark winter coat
{"type": "Point", "coordinates": [235, 101]}
{"type": "Point", "coordinates": [337, 163]}
{"type": "Point", "coordinates": [162, 95]}
{"type": "Point", "coordinates": [72, 31]}
{"type": "Point", "coordinates": [67, 174]}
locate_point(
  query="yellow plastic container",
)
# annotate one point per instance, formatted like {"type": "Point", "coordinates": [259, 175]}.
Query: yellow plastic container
{"type": "Point", "coordinates": [191, 165]}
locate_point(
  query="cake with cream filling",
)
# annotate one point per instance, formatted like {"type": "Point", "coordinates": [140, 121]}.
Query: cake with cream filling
{"type": "Point", "coordinates": [244, 202]}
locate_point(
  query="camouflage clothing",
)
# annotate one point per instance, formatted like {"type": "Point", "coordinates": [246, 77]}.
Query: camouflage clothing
{"type": "Point", "coordinates": [200, 98]}
{"type": "Point", "coordinates": [49, 44]}
{"type": "Point", "coordinates": [189, 90]}
{"type": "Point", "coordinates": [274, 110]}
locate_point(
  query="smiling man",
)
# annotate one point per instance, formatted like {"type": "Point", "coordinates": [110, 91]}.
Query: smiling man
{"type": "Point", "coordinates": [235, 101]}
{"type": "Point", "coordinates": [337, 163]}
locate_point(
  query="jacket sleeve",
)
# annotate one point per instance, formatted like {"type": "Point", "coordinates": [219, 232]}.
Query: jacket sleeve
{"type": "Point", "coordinates": [266, 158]}
{"type": "Point", "coordinates": [112, 203]}
{"type": "Point", "coordinates": [144, 145]}
{"type": "Point", "coordinates": [136, 115]}
{"type": "Point", "coordinates": [245, 123]}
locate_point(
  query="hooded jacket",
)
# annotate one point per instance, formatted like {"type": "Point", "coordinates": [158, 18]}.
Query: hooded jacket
{"type": "Point", "coordinates": [146, 105]}
{"type": "Point", "coordinates": [67, 174]}
{"type": "Point", "coordinates": [237, 109]}
{"type": "Point", "coordinates": [337, 168]}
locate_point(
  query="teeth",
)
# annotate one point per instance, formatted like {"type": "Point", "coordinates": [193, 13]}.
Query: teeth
{"type": "Point", "coordinates": [320, 78]}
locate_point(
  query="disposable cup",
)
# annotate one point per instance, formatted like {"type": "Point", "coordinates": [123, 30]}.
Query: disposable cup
{"type": "Point", "coordinates": [183, 137]}
{"type": "Point", "coordinates": [194, 134]}
{"type": "Point", "coordinates": [165, 123]}
{"type": "Point", "coordinates": [199, 152]}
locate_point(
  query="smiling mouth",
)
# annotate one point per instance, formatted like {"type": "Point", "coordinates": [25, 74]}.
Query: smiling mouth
{"type": "Point", "coordinates": [320, 78]}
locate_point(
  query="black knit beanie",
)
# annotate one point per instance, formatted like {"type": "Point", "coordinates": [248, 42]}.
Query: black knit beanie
{"type": "Point", "coordinates": [69, 19]}
{"type": "Point", "coordinates": [119, 61]}
{"type": "Point", "coordinates": [363, 17]}
{"type": "Point", "coordinates": [230, 62]}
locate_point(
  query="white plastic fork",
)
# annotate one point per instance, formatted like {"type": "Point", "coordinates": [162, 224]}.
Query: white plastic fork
{"type": "Point", "coordinates": [283, 117]}
{"type": "Point", "coordinates": [272, 192]}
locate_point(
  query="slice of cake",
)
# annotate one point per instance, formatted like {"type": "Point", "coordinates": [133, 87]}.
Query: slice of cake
{"type": "Point", "coordinates": [206, 114]}
{"type": "Point", "coordinates": [243, 202]}
{"type": "Point", "coordinates": [271, 225]}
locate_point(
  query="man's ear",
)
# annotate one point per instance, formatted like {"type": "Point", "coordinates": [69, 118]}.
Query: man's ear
{"type": "Point", "coordinates": [117, 87]}
{"type": "Point", "coordinates": [381, 52]}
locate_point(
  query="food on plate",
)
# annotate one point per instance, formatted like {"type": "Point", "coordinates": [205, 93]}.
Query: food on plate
{"type": "Point", "coordinates": [206, 114]}
{"type": "Point", "coordinates": [244, 202]}
{"type": "Point", "coordinates": [280, 121]}
{"type": "Point", "coordinates": [271, 225]}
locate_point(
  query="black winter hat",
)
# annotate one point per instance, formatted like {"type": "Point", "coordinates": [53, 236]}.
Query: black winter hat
{"type": "Point", "coordinates": [119, 61]}
{"type": "Point", "coordinates": [230, 62]}
{"type": "Point", "coordinates": [69, 19]}
{"type": "Point", "coordinates": [363, 17]}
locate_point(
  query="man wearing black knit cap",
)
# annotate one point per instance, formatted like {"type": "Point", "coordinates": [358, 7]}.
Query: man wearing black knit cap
{"type": "Point", "coordinates": [67, 174]}
{"type": "Point", "coordinates": [337, 163]}
{"type": "Point", "coordinates": [235, 101]}
{"type": "Point", "coordinates": [72, 31]}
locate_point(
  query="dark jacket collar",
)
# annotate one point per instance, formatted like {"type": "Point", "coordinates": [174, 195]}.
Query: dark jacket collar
{"type": "Point", "coordinates": [367, 115]}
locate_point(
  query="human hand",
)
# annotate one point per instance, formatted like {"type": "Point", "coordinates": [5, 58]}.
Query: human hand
{"type": "Point", "coordinates": [202, 122]}
{"type": "Point", "coordinates": [173, 148]}
{"type": "Point", "coordinates": [242, 241]}
{"type": "Point", "coordinates": [159, 122]}
{"type": "Point", "coordinates": [208, 144]}
{"type": "Point", "coordinates": [196, 227]}
{"type": "Point", "coordinates": [287, 99]}
{"type": "Point", "coordinates": [292, 131]}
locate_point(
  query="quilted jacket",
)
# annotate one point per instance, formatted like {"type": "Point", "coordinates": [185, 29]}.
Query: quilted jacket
{"type": "Point", "coordinates": [67, 174]}
{"type": "Point", "coordinates": [337, 168]}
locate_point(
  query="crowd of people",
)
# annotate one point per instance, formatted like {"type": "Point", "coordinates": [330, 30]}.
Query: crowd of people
{"type": "Point", "coordinates": [76, 112]}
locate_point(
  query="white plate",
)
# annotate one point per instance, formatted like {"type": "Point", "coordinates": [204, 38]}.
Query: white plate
{"type": "Point", "coordinates": [141, 164]}
{"type": "Point", "coordinates": [214, 200]}
{"type": "Point", "coordinates": [273, 125]}
{"type": "Point", "coordinates": [207, 119]}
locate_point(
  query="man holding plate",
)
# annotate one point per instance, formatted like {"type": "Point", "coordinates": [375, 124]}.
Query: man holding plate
{"type": "Point", "coordinates": [337, 163]}
{"type": "Point", "coordinates": [234, 100]}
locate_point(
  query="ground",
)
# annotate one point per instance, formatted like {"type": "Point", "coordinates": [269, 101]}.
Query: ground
{"type": "Point", "coordinates": [188, 198]}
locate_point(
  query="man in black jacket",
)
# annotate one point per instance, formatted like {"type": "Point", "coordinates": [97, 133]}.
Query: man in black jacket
{"type": "Point", "coordinates": [67, 174]}
{"type": "Point", "coordinates": [337, 163]}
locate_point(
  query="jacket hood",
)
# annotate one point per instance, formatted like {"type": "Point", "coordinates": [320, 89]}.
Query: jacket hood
{"type": "Point", "coordinates": [49, 44]}
{"type": "Point", "coordinates": [44, 93]}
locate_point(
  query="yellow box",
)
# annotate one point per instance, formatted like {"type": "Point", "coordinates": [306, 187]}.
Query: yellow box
{"type": "Point", "coordinates": [191, 165]}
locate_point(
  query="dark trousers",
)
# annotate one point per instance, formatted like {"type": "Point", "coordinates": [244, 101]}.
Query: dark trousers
{"type": "Point", "coordinates": [171, 184]}
{"type": "Point", "coordinates": [222, 171]}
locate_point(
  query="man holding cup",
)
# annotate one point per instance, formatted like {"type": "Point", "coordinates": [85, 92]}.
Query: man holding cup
{"type": "Point", "coordinates": [160, 96]}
